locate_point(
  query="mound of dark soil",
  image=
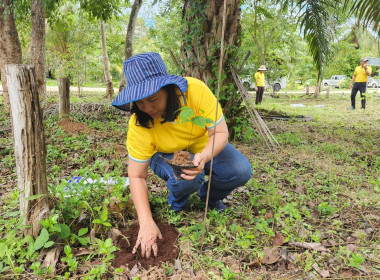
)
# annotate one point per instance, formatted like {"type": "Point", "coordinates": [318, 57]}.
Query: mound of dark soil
{"type": "Point", "coordinates": [167, 251]}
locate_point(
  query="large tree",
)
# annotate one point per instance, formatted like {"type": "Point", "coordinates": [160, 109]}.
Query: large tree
{"type": "Point", "coordinates": [38, 45]}
{"type": "Point", "coordinates": [10, 47]}
{"type": "Point", "coordinates": [106, 63]}
{"type": "Point", "coordinates": [128, 51]}
{"type": "Point", "coordinates": [202, 34]}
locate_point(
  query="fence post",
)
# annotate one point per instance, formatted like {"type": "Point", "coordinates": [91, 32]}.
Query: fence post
{"type": "Point", "coordinates": [29, 145]}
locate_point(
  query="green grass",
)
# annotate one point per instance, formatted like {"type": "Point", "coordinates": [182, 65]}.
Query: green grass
{"type": "Point", "coordinates": [323, 186]}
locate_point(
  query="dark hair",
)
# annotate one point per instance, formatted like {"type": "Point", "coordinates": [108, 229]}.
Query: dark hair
{"type": "Point", "coordinates": [172, 109]}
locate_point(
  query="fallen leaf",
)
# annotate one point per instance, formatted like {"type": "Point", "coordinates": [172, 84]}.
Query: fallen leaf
{"type": "Point", "coordinates": [300, 190]}
{"type": "Point", "coordinates": [177, 265]}
{"type": "Point", "coordinates": [268, 215]}
{"type": "Point", "coordinates": [284, 253]}
{"type": "Point", "coordinates": [314, 214]}
{"type": "Point", "coordinates": [322, 272]}
{"type": "Point", "coordinates": [134, 270]}
{"type": "Point", "coordinates": [83, 251]}
{"type": "Point", "coordinates": [302, 233]}
{"type": "Point", "coordinates": [347, 274]}
{"type": "Point", "coordinates": [278, 239]}
{"type": "Point", "coordinates": [311, 204]}
{"type": "Point", "coordinates": [92, 235]}
{"type": "Point", "coordinates": [364, 269]}
{"type": "Point", "coordinates": [271, 255]}
{"type": "Point", "coordinates": [255, 263]}
{"type": "Point", "coordinates": [351, 247]}
{"type": "Point", "coordinates": [312, 246]}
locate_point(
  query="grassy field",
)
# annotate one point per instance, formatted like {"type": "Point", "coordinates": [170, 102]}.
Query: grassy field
{"type": "Point", "coordinates": [310, 211]}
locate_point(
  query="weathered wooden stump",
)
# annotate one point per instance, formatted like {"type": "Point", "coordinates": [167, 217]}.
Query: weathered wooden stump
{"type": "Point", "coordinates": [29, 144]}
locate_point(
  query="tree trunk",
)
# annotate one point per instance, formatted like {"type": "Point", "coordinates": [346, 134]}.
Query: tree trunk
{"type": "Point", "coordinates": [78, 80]}
{"type": "Point", "coordinates": [201, 47]}
{"type": "Point", "coordinates": [10, 47]}
{"type": "Point", "coordinates": [318, 88]}
{"type": "Point", "coordinates": [29, 145]}
{"type": "Point", "coordinates": [64, 97]}
{"type": "Point", "coordinates": [129, 37]}
{"type": "Point", "coordinates": [107, 75]}
{"type": "Point", "coordinates": [38, 45]}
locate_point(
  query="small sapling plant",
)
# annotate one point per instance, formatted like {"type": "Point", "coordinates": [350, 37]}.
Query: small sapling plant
{"type": "Point", "coordinates": [182, 159]}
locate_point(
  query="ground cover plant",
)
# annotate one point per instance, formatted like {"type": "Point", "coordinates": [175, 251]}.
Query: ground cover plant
{"type": "Point", "coordinates": [310, 211]}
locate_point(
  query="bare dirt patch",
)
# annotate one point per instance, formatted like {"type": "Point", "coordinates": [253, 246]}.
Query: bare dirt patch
{"type": "Point", "coordinates": [71, 126]}
{"type": "Point", "coordinates": [167, 250]}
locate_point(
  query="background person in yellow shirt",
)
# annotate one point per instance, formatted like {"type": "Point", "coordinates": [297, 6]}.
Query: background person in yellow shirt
{"type": "Point", "coordinates": [359, 82]}
{"type": "Point", "coordinates": [260, 84]}
{"type": "Point", "coordinates": [155, 132]}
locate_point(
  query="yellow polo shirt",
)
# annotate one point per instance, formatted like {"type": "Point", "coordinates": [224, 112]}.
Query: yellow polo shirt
{"type": "Point", "coordinates": [143, 143]}
{"type": "Point", "coordinates": [260, 79]}
{"type": "Point", "coordinates": [361, 75]}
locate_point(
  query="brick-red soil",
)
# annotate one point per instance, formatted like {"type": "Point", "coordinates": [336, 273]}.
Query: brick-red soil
{"type": "Point", "coordinates": [167, 250]}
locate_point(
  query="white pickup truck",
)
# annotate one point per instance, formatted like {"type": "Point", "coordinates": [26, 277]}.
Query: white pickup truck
{"type": "Point", "coordinates": [249, 84]}
{"type": "Point", "coordinates": [334, 81]}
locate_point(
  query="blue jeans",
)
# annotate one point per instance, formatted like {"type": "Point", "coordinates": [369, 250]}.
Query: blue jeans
{"type": "Point", "coordinates": [230, 170]}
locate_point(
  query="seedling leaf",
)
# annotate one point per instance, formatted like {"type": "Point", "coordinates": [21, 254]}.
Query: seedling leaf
{"type": "Point", "coordinates": [65, 231]}
{"type": "Point", "coordinates": [186, 113]}
{"type": "Point", "coordinates": [49, 244]}
{"type": "Point", "coordinates": [41, 239]}
{"type": "Point", "coordinates": [201, 121]}
{"type": "Point", "coordinates": [82, 231]}
{"type": "Point", "coordinates": [36, 196]}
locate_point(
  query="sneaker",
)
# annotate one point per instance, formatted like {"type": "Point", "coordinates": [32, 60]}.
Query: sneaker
{"type": "Point", "coordinates": [351, 108]}
{"type": "Point", "coordinates": [217, 205]}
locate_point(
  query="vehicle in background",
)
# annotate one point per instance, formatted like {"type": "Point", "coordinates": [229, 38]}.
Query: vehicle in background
{"type": "Point", "coordinates": [334, 81]}
{"type": "Point", "coordinates": [372, 83]}
{"type": "Point", "coordinates": [279, 84]}
{"type": "Point", "coordinates": [249, 84]}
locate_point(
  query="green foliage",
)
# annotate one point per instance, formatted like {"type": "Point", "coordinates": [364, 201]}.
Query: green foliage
{"type": "Point", "coordinates": [102, 10]}
{"type": "Point", "coordinates": [188, 115]}
{"type": "Point", "coordinates": [356, 260]}
{"type": "Point", "coordinates": [325, 209]}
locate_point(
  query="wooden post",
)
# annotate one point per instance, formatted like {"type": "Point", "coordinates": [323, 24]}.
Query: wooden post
{"type": "Point", "coordinates": [328, 92]}
{"type": "Point", "coordinates": [29, 144]}
{"type": "Point", "coordinates": [64, 97]}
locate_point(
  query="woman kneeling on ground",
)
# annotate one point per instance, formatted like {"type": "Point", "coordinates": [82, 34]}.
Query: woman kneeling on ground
{"type": "Point", "coordinates": [155, 132]}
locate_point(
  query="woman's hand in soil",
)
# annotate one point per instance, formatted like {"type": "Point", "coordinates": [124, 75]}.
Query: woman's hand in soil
{"type": "Point", "coordinates": [147, 239]}
{"type": "Point", "coordinates": [199, 161]}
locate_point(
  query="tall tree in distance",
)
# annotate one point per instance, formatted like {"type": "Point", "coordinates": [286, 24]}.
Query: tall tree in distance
{"type": "Point", "coordinates": [106, 63]}
{"type": "Point", "coordinates": [129, 37]}
{"type": "Point", "coordinates": [10, 47]}
{"type": "Point", "coordinates": [38, 45]}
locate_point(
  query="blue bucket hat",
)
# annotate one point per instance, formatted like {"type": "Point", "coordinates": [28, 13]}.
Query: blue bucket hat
{"type": "Point", "coordinates": [146, 74]}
